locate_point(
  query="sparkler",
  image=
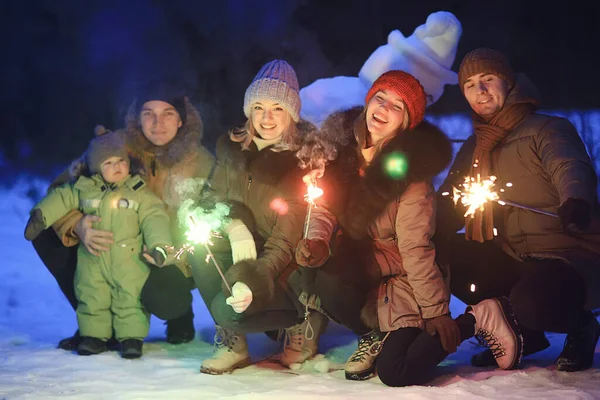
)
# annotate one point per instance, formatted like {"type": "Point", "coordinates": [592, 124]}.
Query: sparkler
{"type": "Point", "coordinates": [475, 193]}
{"type": "Point", "coordinates": [313, 192]}
{"type": "Point", "coordinates": [201, 233]}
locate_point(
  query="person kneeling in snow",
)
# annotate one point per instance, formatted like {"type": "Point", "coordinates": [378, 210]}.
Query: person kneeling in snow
{"type": "Point", "coordinates": [108, 286]}
{"type": "Point", "coordinates": [550, 267]}
{"type": "Point", "coordinates": [257, 173]}
{"type": "Point", "coordinates": [382, 280]}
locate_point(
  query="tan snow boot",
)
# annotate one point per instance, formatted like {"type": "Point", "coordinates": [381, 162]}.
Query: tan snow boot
{"type": "Point", "coordinates": [232, 353]}
{"type": "Point", "coordinates": [302, 340]}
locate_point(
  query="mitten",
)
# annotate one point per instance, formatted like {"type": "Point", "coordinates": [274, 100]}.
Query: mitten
{"type": "Point", "coordinates": [575, 215]}
{"type": "Point", "coordinates": [241, 240]}
{"type": "Point", "coordinates": [241, 297]}
{"type": "Point", "coordinates": [35, 225]}
{"type": "Point", "coordinates": [312, 253]}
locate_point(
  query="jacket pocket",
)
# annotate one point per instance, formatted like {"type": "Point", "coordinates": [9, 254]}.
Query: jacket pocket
{"type": "Point", "coordinates": [403, 309]}
{"type": "Point", "coordinates": [130, 245]}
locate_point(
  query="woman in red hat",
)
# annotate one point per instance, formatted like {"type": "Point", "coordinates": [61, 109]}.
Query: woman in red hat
{"type": "Point", "coordinates": [379, 277]}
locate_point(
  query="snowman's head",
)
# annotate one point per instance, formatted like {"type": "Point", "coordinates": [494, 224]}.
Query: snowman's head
{"type": "Point", "coordinates": [427, 54]}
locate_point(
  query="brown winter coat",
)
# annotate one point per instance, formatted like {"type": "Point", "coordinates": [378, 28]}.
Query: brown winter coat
{"type": "Point", "coordinates": [546, 162]}
{"type": "Point", "coordinates": [390, 223]}
{"type": "Point", "coordinates": [164, 168]}
{"type": "Point", "coordinates": [257, 184]}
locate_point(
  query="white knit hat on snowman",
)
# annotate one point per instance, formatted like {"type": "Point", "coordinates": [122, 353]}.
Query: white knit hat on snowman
{"type": "Point", "coordinates": [427, 54]}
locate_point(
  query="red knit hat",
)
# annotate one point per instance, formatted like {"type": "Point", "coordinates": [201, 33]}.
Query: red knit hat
{"type": "Point", "coordinates": [408, 88]}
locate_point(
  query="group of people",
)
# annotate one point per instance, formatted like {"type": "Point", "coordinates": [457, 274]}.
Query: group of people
{"type": "Point", "coordinates": [381, 253]}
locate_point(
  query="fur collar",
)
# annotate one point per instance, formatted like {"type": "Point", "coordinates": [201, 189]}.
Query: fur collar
{"type": "Point", "coordinates": [187, 140]}
{"type": "Point", "coordinates": [426, 150]}
{"type": "Point", "coordinates": [266, 165]}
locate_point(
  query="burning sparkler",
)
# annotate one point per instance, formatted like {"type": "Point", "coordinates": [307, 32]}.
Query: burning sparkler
{"type": "Point", "coordinates": [312, 193]}
{"type": "Point", "coordinates": [201, 233]}
{"type": "Point", "coordinates": [475, 193]}
{"type": "Point", "coordinates": [200, 226]}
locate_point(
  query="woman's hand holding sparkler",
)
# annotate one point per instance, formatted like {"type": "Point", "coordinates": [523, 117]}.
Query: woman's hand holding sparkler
{"type": "Point", "coordinates": [312, 253]}
{"type": "Point", "coordinates": [241, 240]}
{"type": "Point", "coordinates": [241, 297]}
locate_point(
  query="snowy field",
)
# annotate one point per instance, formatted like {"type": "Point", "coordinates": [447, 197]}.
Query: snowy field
{"type": "Point", "coordinates": [34, 317]}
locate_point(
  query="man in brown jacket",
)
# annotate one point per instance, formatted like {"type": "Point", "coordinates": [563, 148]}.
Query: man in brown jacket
{"type": "Point", "coordinates": [164, 132]}
{"type": "Point", "coordinates": [549, 266]}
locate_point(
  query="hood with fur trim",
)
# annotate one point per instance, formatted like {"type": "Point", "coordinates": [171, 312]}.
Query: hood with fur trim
{"type": "Point", "coordinates": [358, 200]}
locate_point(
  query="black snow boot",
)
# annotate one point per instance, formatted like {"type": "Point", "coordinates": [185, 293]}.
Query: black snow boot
{"type": "Point", "coordinates": [181, 330]}
{"type": "Point", "coordinates": [70, 343]}
{"type": "Point", "coordinates": [112, 344]}
{"type": "Point", "coordinates": [91, 346]}
{"type": "Point", "coordinates": [578, 353]}
{"type": "Point", "coordinates": [131, 348]}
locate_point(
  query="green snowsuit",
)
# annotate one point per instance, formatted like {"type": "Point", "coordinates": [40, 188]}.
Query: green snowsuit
{"type": "Point", "coordinates": [108, 286]}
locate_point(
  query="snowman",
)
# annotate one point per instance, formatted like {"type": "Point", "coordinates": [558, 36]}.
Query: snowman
{"type": "Point", "coordinates": [427, 54]}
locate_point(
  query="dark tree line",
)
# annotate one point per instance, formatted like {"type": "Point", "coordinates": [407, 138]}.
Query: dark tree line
{"type": "Point", "coordinates": [69, 65]}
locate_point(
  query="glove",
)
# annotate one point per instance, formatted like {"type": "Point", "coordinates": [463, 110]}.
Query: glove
{"type": "Point", "coordinates": [159, 257]}
{"type": "Point", "coordinates": [241, 240]}
{"type": "Point", "coordinates": [241, 297]}
{"type": "Point", "coordinates": [312, 253]}
{"type": "Point", "coordinates": [35, 225]}
{"type": "Point", "coordinates": [575, 215]}
{"type": "Point", "coordinates": [447, 329]}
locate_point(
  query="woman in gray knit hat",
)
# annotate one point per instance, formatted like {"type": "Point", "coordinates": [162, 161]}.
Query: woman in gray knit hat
{"type": "Point", "coordinates": [257, 173]}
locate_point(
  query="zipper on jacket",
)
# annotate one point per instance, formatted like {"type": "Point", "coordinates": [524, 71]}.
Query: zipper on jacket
{"type": "Point", "coordinates": [249, 181]}
{"type": "Point", "coordinates": [153, 166]}
{"type": "Point", "coordinates": [386, 298]}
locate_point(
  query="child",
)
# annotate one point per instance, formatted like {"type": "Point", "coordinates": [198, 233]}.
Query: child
{"type": "Point", "coordinates": [108, 286]}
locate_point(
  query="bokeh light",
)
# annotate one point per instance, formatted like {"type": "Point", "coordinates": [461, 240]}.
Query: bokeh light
{"type": "Point", "coordinates": [395, 165]}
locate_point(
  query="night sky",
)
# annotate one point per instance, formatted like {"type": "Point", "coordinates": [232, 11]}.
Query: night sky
{"type": "Point", "coordinates": [71, 64]}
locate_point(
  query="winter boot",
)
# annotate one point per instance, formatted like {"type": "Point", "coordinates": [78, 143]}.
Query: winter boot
{"type": "Point", "coordinates": [131, 348]}
{"type": "Point", "coordinates": [90, 346]}
{"type": "Point", "coordinates": [232, 353]}
{"type": "Point", "coordinates": [361, 364]}
{"type": "Point", "coordinates": [181, 330]}
{"type": "Point", "coordinates": [533, 342]}
{"type": "Point", "coordinates": [113, 344]}
{"type": "Point", "coordinates": [578, 352]}
{"type": "Point", "coordinates": [302, 340]}
{"type": "Point", "coordinates": [497, 329]}
{"type": "Point", "coordinates": [70, 343]}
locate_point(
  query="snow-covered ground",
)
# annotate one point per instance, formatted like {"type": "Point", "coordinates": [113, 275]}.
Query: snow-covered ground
{"type": "Point", "coordinates": [34, 316]}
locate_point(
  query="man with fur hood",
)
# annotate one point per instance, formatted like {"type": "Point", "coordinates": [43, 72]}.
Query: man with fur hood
{"type": "Point", "coordinates": [382, 280]}
{"type": "Point", "coordinates": [550, 267]}
{"type": "Point", "coordinates": [163, 131]}
{"type": "Point", "coordinates": [108, 286]}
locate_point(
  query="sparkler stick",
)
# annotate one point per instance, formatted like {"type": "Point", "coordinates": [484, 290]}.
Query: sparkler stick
{"type": "Point", "coordinates": [205, 241]}
{"type": "Point", "coordinates": [313, 192]}
{"type": "Point", "coordinates": [524, 207]}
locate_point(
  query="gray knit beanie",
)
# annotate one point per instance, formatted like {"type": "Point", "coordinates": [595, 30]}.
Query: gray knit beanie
{"type": "Point", "coordinates": [103, 147]}
{"type": "Point", "coordinates": [275, 81]}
